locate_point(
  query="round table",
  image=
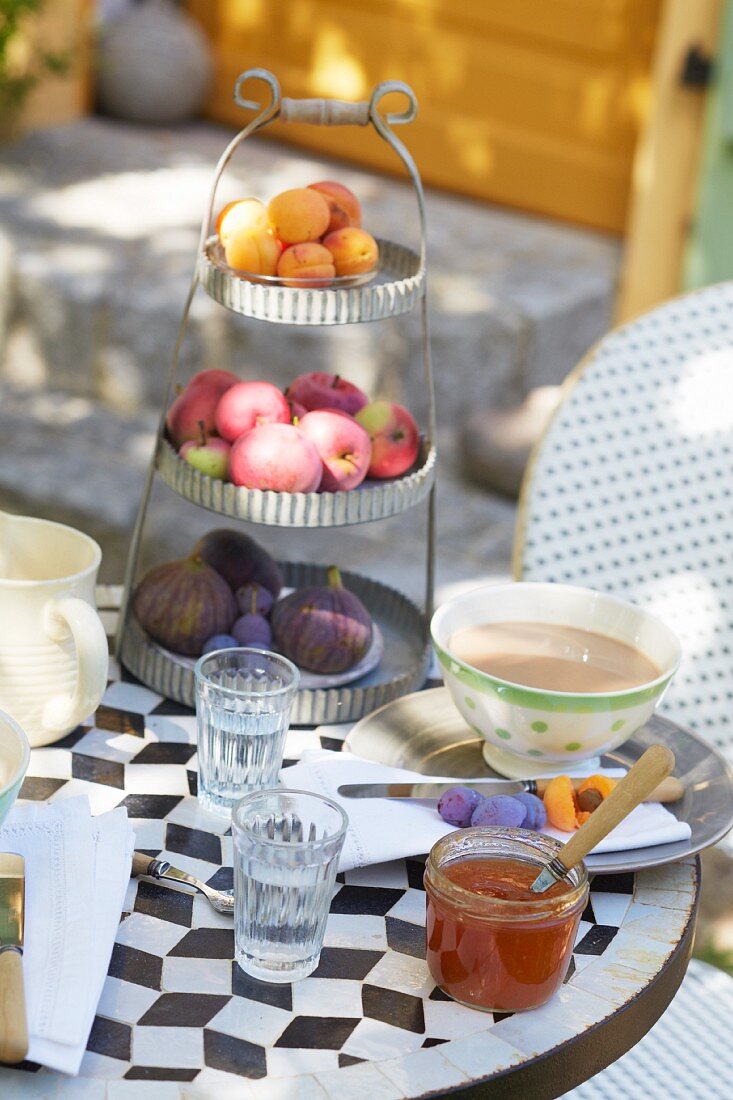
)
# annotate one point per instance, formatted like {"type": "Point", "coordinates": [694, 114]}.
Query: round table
{"type": "Point", "coordinates": [177, 1013]}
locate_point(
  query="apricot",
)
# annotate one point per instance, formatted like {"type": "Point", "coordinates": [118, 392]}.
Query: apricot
{"type": "Point", "coordinates": [302, 263]}
{"type": "Point", "coordinates": [559, 799]}
{"type": "Point", "coordinates": [299, 215]}
{"type": "Point", "coordinates": [354, 250]}
{"type": "Point", "coordinates": [253, 250]}
{"type": "Point", "coordinates": [343, 204]}
{"type": "Point", "coordinates": [242, 215]}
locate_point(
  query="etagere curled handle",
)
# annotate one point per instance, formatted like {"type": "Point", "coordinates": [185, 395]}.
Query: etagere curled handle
{"type": "Point", "coordinates": [318, 112]}
{"type": "Point", "coordinates": [322, 112]}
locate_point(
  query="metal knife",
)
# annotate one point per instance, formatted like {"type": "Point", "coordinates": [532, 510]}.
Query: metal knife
{"type": "Point", "coordinates": [670, 790]}
{"type": "Point", "coordinates": [13, 1022]}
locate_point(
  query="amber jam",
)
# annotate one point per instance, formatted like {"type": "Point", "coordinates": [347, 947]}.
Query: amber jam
{"type": "Point", "coordinates": [491, 942]}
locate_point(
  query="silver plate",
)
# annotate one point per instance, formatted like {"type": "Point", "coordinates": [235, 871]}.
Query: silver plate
{"type": "Point", "coordinates": [395, 288]}
{"type": "Point", "coordinates": [425, 733]}
{"type": "Point", "coordinates": [372, 500]}
{"type": "Point", "coordinates": [402, 669]}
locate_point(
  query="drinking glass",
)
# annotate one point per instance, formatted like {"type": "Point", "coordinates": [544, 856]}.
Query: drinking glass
{"type": "Point", "coordinates": [286, 849]}
{"type": "Point", "coordinates": [243, 701]}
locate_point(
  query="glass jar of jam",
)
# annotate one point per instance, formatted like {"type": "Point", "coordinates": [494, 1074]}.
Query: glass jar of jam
{"type": "Point", "coordinates": [492, 943]}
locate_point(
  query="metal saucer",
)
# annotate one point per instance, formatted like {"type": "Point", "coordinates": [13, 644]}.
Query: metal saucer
{"type": "Point", "coordinates": [425, 733]}
{"type": "Point", "coordinates": [395, 288]}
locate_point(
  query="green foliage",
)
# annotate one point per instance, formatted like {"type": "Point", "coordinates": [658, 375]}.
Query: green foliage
{"type": "Point", "coordinates": [15, 86]}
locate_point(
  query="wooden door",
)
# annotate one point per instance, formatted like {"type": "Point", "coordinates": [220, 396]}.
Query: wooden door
{"type": "Point", "coordinates": [532, 103]}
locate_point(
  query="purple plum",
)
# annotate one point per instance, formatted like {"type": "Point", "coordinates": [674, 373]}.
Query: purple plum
{"type": "Point", "coordinates": [500, 809]}
{"type": "Point", "coordinates": [536, 817]}
{"type": "Point", "coordinates": [219, 641]}
{"type": "Point", "coordinates": [253, 593]}
{"type": "Point", "coordinates": [457, 805]}
{"type": "Point", "coordinates": [253, 630]}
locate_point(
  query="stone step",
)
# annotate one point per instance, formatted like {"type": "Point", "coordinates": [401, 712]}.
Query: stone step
{"type": "Point", "coordinates": [102, 221]}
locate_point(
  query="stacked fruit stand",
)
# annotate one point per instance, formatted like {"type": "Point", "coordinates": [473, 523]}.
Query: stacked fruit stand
{"type": "Point", "coordinates": [396, 286]}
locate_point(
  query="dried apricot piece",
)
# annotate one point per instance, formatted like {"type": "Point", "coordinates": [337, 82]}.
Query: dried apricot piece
{"type": "Point", "coordinates": [601, 783]}
{"type": "Point", "coordinates": [559, 799]}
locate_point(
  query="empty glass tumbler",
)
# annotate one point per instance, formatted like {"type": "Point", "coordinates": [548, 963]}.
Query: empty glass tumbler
{"type": "Point", "coordinates": [286, 850]}
{"type": "Point", "coordinates": [243, 702]}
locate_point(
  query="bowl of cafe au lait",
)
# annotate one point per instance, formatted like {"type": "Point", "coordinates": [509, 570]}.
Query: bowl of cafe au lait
{"type": "Point", "coordinates": [551, 674]}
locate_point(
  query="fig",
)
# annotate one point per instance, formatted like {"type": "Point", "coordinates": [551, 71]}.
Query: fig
{"type": "Point", "coordinates": [239, 560]}
{"type": "Point", "coordinates": [182, 604]}
{"type": "Point", "coordinates": [322, 628]}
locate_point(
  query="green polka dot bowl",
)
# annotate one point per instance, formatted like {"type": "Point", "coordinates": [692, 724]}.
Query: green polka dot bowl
{"type": "Point", "coordinates": [15, 754]}
{"type": "Point", "coordinates": [532, 731]}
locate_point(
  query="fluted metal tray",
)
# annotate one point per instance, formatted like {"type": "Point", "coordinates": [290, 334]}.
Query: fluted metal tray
{"type": "Point", "coordinates": [372, 500]}
{"type": "Point", "coordinates": [403, 667]}
{"type": "Point", "coordinates": [395, 288]}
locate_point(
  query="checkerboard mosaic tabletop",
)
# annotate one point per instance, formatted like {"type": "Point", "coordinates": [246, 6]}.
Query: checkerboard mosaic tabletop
{"type": "Point", "coordinates": [177, 1017]}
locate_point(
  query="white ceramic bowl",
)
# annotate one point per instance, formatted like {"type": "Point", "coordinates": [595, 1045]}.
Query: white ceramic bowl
{"type": "Point", "coordinates": [529, 731]}
{"type": "Point", "coordinates": [15, 754]}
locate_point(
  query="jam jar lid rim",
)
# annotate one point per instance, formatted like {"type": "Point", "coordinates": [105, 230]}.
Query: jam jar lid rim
{"type": "Point", "coordinates": [510, 834]}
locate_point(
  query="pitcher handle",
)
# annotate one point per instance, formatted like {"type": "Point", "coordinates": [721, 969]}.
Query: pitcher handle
{"type": "Point", "coordinates": [71, 614]}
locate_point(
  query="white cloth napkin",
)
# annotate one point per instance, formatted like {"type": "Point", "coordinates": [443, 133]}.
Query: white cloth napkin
{"type": "Point", "coordinates": [76, 872]}
{"type": "Point", "coordinates": [382, 829]}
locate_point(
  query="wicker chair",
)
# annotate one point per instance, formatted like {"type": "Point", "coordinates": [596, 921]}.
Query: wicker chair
{"type": "Point", "coordinates": [630, 491]}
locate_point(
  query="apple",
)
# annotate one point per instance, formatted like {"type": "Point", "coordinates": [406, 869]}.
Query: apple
{"type": "Point", "coordinates": [321, 390]}
{"type": "Point", "coordinates": [215, 377]}
{"type": "Point", "coordinates": [278, 457]}
{"type": "Point", "coordinates": [247, 405]}
{"type": "Point", "coordinates": [197, 402]}
{"type": "Point", "coordinates": [394, 435]}
{"type": "Point", "coordinates": [297, 411]}
{"type": "Point", "coordinates": [209, 454]}
{"type": "Point", "coordinates": [343, 445]}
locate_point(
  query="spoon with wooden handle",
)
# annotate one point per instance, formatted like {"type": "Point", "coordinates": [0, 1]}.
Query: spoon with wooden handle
{"type": "Point", "coordinates": [648, 771]}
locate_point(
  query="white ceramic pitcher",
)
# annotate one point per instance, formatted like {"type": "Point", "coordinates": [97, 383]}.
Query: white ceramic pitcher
{"type": "Point", "coordinates": [53, 648]}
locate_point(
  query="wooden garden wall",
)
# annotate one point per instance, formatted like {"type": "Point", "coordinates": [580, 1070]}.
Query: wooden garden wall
{"type": "Point", "coordinates": [533, 103]}
{"type": "Point", "coordinates": [65, 27]}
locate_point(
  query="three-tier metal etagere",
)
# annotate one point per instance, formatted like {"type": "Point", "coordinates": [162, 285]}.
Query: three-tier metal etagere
{"type": "Point", "coordinates": [398, 287]}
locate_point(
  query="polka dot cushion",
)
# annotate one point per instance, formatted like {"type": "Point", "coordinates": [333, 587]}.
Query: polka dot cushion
{"type": "Point", "coordinates": [631, 490]}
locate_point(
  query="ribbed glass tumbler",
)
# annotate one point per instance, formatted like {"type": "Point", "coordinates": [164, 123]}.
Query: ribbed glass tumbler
{"type": "Point", "coordinates": [243, 703]}
{"type": "Point", "coordinates": [286, 850]}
